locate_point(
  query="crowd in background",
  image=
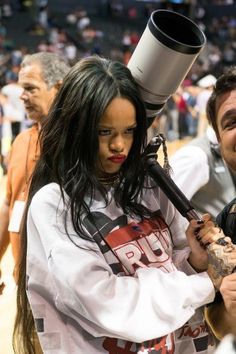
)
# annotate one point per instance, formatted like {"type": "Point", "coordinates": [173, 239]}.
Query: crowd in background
{"type": "Point", "coordinates": [113, 30]}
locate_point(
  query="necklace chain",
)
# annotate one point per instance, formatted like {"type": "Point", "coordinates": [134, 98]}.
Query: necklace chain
{"type": "Point", "coordinates": [109, 179]}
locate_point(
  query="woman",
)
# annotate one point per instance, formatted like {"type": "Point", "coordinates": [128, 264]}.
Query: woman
{"type": "Point", "coordinates": [106, 269]}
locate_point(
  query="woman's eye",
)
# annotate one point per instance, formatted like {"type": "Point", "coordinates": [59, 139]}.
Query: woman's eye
{"type": "Point", "coordinates": [130, 130]}
{"type": "Point", "coordinates": [104, 132]}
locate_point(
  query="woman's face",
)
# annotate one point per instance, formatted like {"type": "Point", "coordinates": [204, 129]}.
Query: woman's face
{"type": "Point", "coordinates": [226, 124]}
{"type": "Point", "coordinates": [116, 133]}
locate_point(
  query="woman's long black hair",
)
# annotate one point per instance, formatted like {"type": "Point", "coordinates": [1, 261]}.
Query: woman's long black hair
{"type": "Point", "coordinates": [69, 152]}
{"type": "Point", "coordinates": [69, 137]}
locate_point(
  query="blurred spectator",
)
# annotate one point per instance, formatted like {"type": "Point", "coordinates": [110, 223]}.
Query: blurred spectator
{"type": "Point", "coordinates": [182, 107]}
{"type": "Point", "coordinates": [132, 13]}
{"type": "Point", "coordinates": [206, 84]}
{"type": "Point", "coordinates": [228, 55]}
{"type": "Point", "coordinates": [17, 56]}
{"type": "Point", "coordinates": [13, 109]}
{"type": "Point", "coordinates": [3, 30]}
{"type": "Point", "coordinates": [168, 121]}
{"type": "Point", "coordinates": [70, 52]}
{"type": "Point", "coordinates": [42, 11]}
{"type": "Point", "coordinates": [5, 9]}
{"type": "Point", "coordinates": [83, 22]}
{"type": "Point", "coordinates": [192, 118]}
{"type": "Point", "coordinates": [116, 8]}
{"type": "Point", "coordinates": [126, 40]}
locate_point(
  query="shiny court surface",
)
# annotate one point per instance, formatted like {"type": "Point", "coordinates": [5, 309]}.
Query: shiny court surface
{"type": "Point", "coordinates": [8, 299]}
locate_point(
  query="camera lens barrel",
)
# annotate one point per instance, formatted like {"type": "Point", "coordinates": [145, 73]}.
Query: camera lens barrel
{"type": "Point", "coordinates": [163, 56]}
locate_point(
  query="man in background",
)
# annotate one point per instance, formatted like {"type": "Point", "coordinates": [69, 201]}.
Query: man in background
{"type": "Point", "coordinates": [201, 173]}
{"type": "Point", "coordinates": [40, 77]}
{"type": "Point", "coordinates": [221, 113]}
{"type": "Point", "coordinates": [198, 167]}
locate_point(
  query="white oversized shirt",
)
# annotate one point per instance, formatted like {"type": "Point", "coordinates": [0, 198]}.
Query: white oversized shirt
{"type": "Point", "coordinates": [115, 295]}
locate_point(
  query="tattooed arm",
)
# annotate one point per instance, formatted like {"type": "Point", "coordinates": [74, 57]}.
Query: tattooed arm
{"type": "Point", "coordinates": [221, 314]}
{"type": "Point", "coordinates": [210, 249]}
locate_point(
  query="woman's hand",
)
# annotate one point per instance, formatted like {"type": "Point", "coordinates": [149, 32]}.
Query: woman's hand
{"type": "Point", "coordinates": [199, 234]}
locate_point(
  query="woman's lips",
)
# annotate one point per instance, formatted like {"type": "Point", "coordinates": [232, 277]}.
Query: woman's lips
{"type": "Point", "coordinates": [117, 158]}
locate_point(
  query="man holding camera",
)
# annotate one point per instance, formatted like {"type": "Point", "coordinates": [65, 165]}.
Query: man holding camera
{"type": "Point", "coordinates": [221, 113]}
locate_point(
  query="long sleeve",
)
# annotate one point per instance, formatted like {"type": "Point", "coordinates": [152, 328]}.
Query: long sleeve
{"type": "Point", "coordinates": [78, 280]}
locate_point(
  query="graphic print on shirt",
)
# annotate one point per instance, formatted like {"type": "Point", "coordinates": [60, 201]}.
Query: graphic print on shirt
{"type": "Point", "coordinates": [128, 245]}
